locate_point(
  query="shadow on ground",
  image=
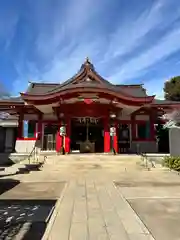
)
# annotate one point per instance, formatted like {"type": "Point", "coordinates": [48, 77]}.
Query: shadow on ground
{"type": "Point", "coordinates": [7, 184]}
{"type": "Point", "coordinates": [26, 207]}
{"type": "Point", "coordinates": [24, 219]}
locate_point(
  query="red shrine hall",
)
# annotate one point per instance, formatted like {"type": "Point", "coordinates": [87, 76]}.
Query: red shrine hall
{"type": "Point", "coordinates": [96, 115]}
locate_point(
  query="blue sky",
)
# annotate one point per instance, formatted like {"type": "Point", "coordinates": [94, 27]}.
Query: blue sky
{"type": "Point", "coordinates": [134, 41]}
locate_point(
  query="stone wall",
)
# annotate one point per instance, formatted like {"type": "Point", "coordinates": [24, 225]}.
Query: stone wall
{"type": "Point", "coordinates": [24, 146]}
{"type": "Point", "coordinates": [174, 141]}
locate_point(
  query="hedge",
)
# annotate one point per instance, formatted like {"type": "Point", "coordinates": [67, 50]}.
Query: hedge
{"type": "Point", "coordinates": [172, 162]}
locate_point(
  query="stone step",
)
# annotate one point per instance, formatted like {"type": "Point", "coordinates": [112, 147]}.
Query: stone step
{"type": "Point", "coordinates": [18, 168]}
{"type": "Point", "coordinates": [93, 158]}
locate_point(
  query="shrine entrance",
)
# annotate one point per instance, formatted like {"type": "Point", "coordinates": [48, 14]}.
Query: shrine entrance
{"type": "Point", "coordinates": [49, 138]}
{"type": "Point", "coordinates": [87, 135]}
{"type": "Point", "coordinates": [124, 138]}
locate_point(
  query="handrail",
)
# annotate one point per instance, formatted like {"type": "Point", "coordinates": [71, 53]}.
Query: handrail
{"type": "Point", "coordinates": [33, 150]}
{"type": "Point", "coordinates": [30, 154]}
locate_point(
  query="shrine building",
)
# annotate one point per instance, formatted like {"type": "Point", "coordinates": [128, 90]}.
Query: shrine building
{"type": "Point", "coordinates": [95, 113]}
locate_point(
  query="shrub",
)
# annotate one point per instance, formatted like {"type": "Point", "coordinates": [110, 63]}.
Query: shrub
{"type": "Point", "coordinates": [172, 162]}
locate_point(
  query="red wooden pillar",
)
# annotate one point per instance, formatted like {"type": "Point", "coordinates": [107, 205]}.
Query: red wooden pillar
{"type": "Point", "coordinates": [20, 125]}
{"type": "Point", "coordinates": [106, 135]}
{"type": "Point", "coordinates": [58, 139]}
{"type": "Point", "coordinates": [68, 135]}
{"type": "Point", "coordinates": [115, 141]}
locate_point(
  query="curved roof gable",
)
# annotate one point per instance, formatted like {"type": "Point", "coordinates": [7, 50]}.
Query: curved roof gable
{"type": "Point", "coordinates": [86, 74]}
{"type": "Point", "coordinates": [87, 79]}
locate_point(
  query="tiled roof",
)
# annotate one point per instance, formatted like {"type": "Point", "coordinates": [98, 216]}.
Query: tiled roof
{"type": "Point", "coordinates": [133, 90]}
{"type": "Point", "coordinates": [41, 88]}
{"type": "Point", "coordinates": [86, 77]}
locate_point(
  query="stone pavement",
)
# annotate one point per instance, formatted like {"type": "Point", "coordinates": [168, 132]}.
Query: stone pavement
{"type": "Point", "coordinates": [91, 207]}
{"type": "Point", "coordinates": [156, 199]}
{"type": "Point", "coordinates": [103, 198]}
{"type": "Point", "coordinates": [92, 210]}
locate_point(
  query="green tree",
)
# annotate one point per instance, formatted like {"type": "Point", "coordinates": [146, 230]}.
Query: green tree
{"type": "Point", "coordinates": [172, 89]}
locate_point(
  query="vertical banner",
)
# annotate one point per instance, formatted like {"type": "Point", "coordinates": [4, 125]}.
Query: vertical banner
{"type": "Point", "coordinates": [25, 129]}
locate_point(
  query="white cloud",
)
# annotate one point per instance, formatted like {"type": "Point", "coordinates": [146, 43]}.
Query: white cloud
{"type": "Point", "coordinates": [68, 24]}
{"type": "Point", "coordinates": [155, 87]}
{"type": "Point", "coordinates": [79, 13]}
{"type": "Point", "coordinates": [64, 37]}
{"type": "Point", "coordinates": [129, 35]}
{"type": "Point", "coordinates": [69, 30]}
{"type": "Point", "coordinates": [8, 23]}
{"type": "Point", "coordinates": [59, 70]}
{"type": "Point", "coordinates": [133, 68]}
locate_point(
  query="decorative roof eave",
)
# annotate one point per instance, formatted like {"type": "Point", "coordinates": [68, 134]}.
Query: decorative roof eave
{"type": "Point", "coordinates": [9, 103]}
{"type": "Point", "coordinates": [76, 89]}
{"type": "Point", "coordinates": [25, 109]}
{"type": "Point", "coordinates": [14, 101]}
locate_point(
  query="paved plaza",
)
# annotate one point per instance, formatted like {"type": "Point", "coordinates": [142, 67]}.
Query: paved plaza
{"type": "Point", "coordinates": [104, 197]}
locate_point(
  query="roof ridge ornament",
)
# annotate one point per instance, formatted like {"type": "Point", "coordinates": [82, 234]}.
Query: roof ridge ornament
{"type": "Point", "coordinates": [88, 64]}
{"type": "Point", "coordinates": [87, 61]}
